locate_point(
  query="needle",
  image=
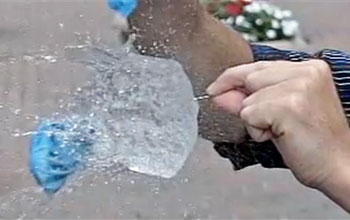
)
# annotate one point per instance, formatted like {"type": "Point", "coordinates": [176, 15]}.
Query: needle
{"type": "Point", "coordinates": [202, 97]}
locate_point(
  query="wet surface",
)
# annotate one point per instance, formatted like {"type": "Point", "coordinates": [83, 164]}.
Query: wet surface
{"type": "Point", "coordinates": [35, 80]}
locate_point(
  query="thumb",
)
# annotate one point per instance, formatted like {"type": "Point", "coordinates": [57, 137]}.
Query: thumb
{"type": "Point", "coordinates": [231, 102]}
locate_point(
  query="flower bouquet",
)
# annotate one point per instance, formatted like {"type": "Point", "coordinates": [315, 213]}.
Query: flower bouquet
{"type": "Point", "coordinates": [256, 20]}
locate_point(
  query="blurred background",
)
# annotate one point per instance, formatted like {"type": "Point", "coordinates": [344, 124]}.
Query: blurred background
{"type": "Point", "coordinates": [35, 80]}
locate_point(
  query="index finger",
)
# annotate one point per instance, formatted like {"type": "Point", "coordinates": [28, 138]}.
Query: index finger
{"type": "Point", "coordinates": [234, 78]}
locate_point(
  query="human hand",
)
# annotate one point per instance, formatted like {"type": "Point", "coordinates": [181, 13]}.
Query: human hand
{"type": "Point", "coordinates": [296, 106]}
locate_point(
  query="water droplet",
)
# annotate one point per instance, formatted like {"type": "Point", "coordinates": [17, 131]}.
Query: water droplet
{"type": "Point", "coordinates": [29, 133]}
{"type": "Point", "coordinates": [17, 111]}
{"type": "Point", "coordinates": [156, 190]}
{"type": "Point", "coordinates": [28, 58]}
{"type": "Point", "coordinates": [16, 133]}
{"type": "Point", "coordinates": [50, 59]}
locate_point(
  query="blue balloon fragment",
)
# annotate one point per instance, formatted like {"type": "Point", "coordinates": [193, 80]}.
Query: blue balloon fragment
{"type": "Point", "coordinates": [54, 157]}
{"type": "Point", "coordinates": [124, 7]}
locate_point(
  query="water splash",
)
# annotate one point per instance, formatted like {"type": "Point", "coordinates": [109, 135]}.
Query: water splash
{"type": "Point", "coordinates": [141, 108]}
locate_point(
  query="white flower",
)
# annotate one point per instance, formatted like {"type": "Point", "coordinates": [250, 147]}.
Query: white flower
{"type": "Point", "coordinates": [269, 9]}
{"type": "Point", "coordinates": [271, 34]}
{"type": "Point", "coordinates": [275, 24]}
{"type": "Point", "coordinates": [264, 6]}
{"type": "Point", "coordinates": [290, 28]}
{"type": "Point", "coordinates": [287, 13]}
{"type": "Point", "coordinates": [240, 20]}
{"type": "Point", "coordinates": [256, 7]}
{"type": "Point", "coordinates": [259, 22]}
{"type": "Point", "coordinates": [248, 8]}
{"type": "Point", "coordinates": [278, 14]}
{"type": "Point", "coordinates": [253, 8]}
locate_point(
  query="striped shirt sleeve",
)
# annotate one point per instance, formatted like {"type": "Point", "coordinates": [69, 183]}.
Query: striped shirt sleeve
{"type": "Point", "coordinates": [338, 61]}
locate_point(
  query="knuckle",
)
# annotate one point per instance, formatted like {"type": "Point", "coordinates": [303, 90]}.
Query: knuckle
{"type": "Point", "coordinates": [319, 69]}
{"type": "Point", "coordinates": [230, 69]}
{"type": "Point", "coordinates": [262, 64]}
{"type": "Point", "coordinates": [313, 78]}
{"type": "Point", "coordinates": [318, 74]}
{"type": "Point", "coordinates": [247, 114]}
{"type": "Point", "coordinates": [321, 65]}
{"type": "Point", "coordinates": [227, 71]}
{"type": "Point", "coordinates": [296, 103]}
{"type": "Point", "coordinates": [250, 81]}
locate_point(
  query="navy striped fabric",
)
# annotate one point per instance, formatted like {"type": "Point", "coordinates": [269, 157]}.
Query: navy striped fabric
{"type": "Point", "coordinates": [340, 66]}
{"type": "Point", "coordinates": [266, 154]}
{"type": "Point", "coordinates": [338, 61]}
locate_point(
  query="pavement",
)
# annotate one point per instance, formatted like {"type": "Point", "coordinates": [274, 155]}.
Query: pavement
{"type": "Point", "coordinates": [35, 80]}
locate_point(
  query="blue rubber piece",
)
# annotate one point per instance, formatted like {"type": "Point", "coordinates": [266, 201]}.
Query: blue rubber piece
{"type": "Point", "coordinates": [52, 159]}
{"type": "Point", "coordinates": [124, 7]}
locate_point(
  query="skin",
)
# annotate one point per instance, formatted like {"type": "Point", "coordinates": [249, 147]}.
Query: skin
{"type": "Point", "coordinates": [183, 30]}
{"type": "Point", "coordinates": [297, 107]}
